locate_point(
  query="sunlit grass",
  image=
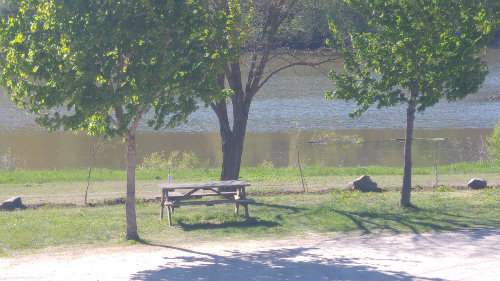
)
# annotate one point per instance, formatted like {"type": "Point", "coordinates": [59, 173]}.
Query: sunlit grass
{"type": "Point", "coordinates": [274, 216]}
{"type": "Point", "coordinates": [247, 173]}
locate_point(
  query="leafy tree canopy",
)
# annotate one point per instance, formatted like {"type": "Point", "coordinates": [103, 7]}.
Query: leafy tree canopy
{"type": "Point", "coordinates": [418, 51]}
{"type": "Point", "coordinates": [415, 53]}
{"type": "Point", "coordinates": [101, 65]}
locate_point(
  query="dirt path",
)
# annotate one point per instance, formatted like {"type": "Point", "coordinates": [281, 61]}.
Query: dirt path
{"type": "Point", "coordinates": [464, 255]}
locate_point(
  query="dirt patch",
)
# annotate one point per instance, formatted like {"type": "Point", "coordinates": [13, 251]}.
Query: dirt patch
{"type": "Point", "coordinates": [121, 200]}
{"type": "Point", "coordinates": [289, 192]}
{"type": "Point", "coordinates": [454, 187]}
{"type": "Point", "coordinates": [328, 190]}
{"type": "Point", "coordinates": [106, 202]}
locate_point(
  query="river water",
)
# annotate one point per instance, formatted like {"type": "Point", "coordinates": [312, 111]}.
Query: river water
{"type": "Point", "coordinates": [289, 111]}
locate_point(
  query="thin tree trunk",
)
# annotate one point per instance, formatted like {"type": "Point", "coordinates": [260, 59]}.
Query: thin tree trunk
{"type": "Point", "coordinates": [436, 169]}
{"type": "Point", "coordinates": [406, 190]}
{"type": "Point", "coordinates": [130, 201]}
{"type": "Point", "coordinates": [97, 149]}
{"type": "Point", "coordinates": [301, 172]}
{"type": "Point", "coordinates": [88, 179]}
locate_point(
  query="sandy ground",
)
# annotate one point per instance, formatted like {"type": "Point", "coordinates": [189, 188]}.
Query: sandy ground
{"type": "Point", "coordinates": [464, 255]}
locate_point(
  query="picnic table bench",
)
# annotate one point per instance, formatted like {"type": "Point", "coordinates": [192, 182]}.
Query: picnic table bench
{"type": "Point", "coordinates": [175, 195]}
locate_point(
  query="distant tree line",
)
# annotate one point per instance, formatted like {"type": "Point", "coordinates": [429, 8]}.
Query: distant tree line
{"type": "Point", "coordinates": [307, 26]}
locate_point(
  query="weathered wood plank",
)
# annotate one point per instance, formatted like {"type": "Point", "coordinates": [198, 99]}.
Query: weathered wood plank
{"type": "Point", "coordinates": [169, 213]}
{"type": "Point", "coordinates": [173, 194]}
{"type": "Point", "coordinates": [210, 202]}
{"type": "Point", "coordinates": [202, 185]}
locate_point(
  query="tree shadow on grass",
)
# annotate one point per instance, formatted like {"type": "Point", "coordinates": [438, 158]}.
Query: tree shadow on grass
{"type": "Point", "coordinates": [416, 220]}
{"type": "Point", "coordinates": [251, 222]}
{"type": "Point", "coordinates": [298, 263]}
{"type": "Point", "coordinates": [367, 221]}
{"type": "Point", "coordinates": [294, 209]}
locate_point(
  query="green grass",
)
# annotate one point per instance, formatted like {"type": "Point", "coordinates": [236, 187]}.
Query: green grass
{"type": "Point", "coordinates": [252, 174]}
{"type": "Point", "coordinates": [274, 216]}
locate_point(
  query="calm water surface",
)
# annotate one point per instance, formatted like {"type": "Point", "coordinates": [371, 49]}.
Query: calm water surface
{"type": "Point", "coordinates": [292, 101]}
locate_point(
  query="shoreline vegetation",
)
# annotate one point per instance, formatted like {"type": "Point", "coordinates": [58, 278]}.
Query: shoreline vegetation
{"type": "Point", "coordinates": [250, 174]}
{"type": "Point", "coordinates": [56, 218]}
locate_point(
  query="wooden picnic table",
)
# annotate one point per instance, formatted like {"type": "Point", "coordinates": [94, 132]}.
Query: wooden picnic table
{"type": "Point", "coordinates": [175, 195]}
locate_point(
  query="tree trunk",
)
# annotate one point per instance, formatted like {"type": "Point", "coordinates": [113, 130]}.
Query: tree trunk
{"type": "Point", "coordinates": [130, 201]}
{"type": "Point", "coordinates": [232, 139]}
{"type": "Point", "coordinates": [406, 190]}
{"type": "Point", "coordinates": [232, 150]}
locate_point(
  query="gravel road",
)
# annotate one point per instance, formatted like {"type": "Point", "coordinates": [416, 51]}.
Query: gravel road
{"type": "Point", "coordinates": [463, 255]}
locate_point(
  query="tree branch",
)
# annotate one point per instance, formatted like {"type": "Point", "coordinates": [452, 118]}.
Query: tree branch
{"type": "Point", "coordinates": [220, 108]}
{"type": "Point", "coordinates": [119, 116]}
{"type": "Point", "coordinates": [138, 117]}
{"type": "Point", "coordinates": [112, 121]}
{"type": "Point", "coordinates": [251, 69]}
{"type": "Point", "coordinates": [287, 11]}
{"type": "Point", "coordinates": [311, 64]}
{"type": "Point", "coordinates": [273, 22]}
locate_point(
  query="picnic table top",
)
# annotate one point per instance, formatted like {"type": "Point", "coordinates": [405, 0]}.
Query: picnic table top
{"type": "Point", "coordinates": [202, 185]}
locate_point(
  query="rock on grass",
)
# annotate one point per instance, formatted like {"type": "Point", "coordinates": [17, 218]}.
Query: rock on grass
{"type": "Point", "coordinates": [364, 184]}
{"type": "Point", "coordinates": [477, 184]}
{"type": "Point", "coordinates": [12, 203]}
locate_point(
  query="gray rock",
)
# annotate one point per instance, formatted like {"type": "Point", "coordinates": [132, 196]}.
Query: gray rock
{"type": "Point", "coordinates": [12, 203]}
{"type": "Point", "coordinates": [364, 184]}
{"type": "Point", "coordinates": [477, 184]}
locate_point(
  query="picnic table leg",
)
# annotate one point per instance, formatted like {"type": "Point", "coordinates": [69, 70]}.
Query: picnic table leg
{"type": "Point", "coordinates": [236, 197]}
{"type": "Point", "coordinates": [169, 214]}
{"type": "Point", "coordinates": [246, 210]}
{"type": "Point", "coordinates": [243, 195]}
{"type": "Point", "coordinates": [162, 204]}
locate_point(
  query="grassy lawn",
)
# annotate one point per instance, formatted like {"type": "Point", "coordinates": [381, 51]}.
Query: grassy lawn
{"type": "Point", "coordinates": [274, 216]}
{"type": "Point", "coordinates": [65, 222]}
{"type": "Point", "coordinates": [68, 186]}
{"type": "Point", "coordinates": [252, 174]}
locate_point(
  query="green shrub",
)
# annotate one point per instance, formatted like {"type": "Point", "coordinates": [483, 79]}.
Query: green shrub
{"type": "Point", "coordinates": [331, 137]}
{"type": "Point", "coordinates": [494, 141]}
{"type": "Point", "coordinates": [174, 160]}
{"type": "Point", "coordinates": [188, 160]}
{"type": "Point", "coordinates": [10, 162]}
{"type": "Point", "coordinates": [266, 164]}
{"type": "Point", "coordinates": [154, 161]}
